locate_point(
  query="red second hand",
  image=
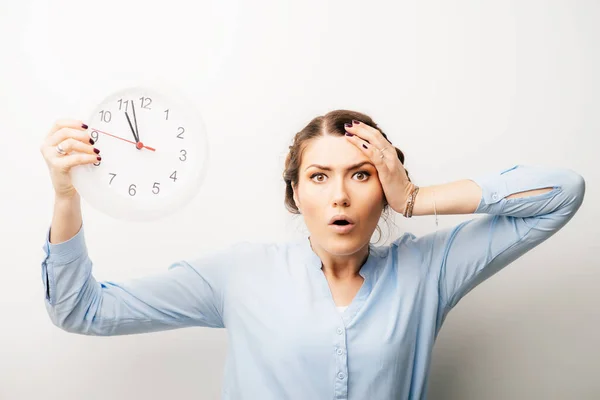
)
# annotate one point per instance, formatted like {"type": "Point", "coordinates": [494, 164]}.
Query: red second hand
{"type": "Point", "coordinates": [139, 145]}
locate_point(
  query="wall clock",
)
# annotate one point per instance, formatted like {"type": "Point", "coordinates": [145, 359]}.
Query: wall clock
{"type": "Point", "coordinates": [154, 154]}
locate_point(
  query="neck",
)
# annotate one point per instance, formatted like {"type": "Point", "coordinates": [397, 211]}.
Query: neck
{"type": "Point", "coordinates": [341, 267]}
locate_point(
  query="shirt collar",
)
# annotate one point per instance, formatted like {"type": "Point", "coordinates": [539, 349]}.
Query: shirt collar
{"type": "Point", "coordinates": [312, 260]}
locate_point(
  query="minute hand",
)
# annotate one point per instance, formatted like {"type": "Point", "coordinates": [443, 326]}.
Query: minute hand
{"type": "Point", "coordinates": [137, 131]}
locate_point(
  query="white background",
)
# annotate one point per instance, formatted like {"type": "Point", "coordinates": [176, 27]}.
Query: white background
{"type": "Point", "coordinates": [462, 87]}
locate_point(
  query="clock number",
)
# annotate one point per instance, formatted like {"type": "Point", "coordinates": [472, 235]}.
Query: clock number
{"type": "Point", "coordinates": [94, 135]}
{"type": "Point", "coordinates": [126, 102]}
{"type": "Point", "coordinates": [132, 190]}
{"type": "Point", "coordinates": [180, 135]}
{"type": "Point", "coordinates": [184, 155]}
{"type": "Point", "coordinates": [167, 113]}
{"type": "Point", "coordinates": [105, 116]}
{"type": "Point", "coordinates": [111, 179]}
{"type": "Point", "coordinates": [156, 186]}
{"type": "Point", "coordinates": [144, 103]}
{"type": "Point", "coordinates": [174, 176]}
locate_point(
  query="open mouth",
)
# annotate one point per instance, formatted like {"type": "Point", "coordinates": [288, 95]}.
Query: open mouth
{"type": "Point", "coordinates": [341, 222]}
{"type": "Point", "coordinates": [342, 226]}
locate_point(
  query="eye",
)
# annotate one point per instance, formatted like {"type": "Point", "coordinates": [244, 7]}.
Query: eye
{"type": "Point", "coordinates": [317, 174]}
{"type": "Point", "coordinates": [367, 174]}
{"type": "Point", "coordinates": [364, 173]}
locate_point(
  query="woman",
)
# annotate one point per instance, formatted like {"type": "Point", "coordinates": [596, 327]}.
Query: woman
{"type": "Point", "coordinates": [329, 316]}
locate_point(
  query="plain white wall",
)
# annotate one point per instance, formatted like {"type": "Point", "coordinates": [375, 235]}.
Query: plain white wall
{"type": "Point", "coordinates": [462, 87]}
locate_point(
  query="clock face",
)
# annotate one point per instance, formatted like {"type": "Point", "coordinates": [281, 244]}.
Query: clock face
{"type": "Point", "coordinates": [154, 155]}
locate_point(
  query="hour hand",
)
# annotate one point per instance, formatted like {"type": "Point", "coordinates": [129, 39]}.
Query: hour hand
{"type": "Point", "coordinates": [135, 136]}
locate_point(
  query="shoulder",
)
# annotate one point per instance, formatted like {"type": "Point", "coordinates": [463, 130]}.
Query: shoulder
{"type": "Point", "coordinates": [409, 242]}
{"type": "Point", "coordinates": [422, 247]}
{"type": "Point", "coordinates": [263, 249]}
{"type": "Point", "coordinates": [251, 252]}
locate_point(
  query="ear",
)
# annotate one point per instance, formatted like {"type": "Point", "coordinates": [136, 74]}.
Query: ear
{"type": "Point", "coordinates": [296, 198]}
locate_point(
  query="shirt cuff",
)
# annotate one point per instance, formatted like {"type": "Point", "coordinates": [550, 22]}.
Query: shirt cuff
{"type": "Point", "coordinates": [494, 189]}
{"type": "Point", "coordinates": [68, 251]}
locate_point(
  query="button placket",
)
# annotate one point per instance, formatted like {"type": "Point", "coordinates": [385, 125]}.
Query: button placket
{"type": "Point", "coordinates": [341, 363]}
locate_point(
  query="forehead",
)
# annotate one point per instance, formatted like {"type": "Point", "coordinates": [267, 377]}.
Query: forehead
{"type": "Point", "coordinates": [334, 151]}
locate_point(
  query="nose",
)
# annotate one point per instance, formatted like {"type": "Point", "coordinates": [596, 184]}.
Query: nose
{"type": "Point", "coordinates": [340, 196]}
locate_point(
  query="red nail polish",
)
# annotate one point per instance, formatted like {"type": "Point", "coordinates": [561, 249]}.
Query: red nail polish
{"type": "Point", "coordinates": [365, 146]}
{"type": "Point", "coordinates": [98, 158]}
{"type": "Point", "coordinates": [84, 126]}
{"type": "Point", "coordinates": [91, 141]}
{"type": "Point", "coordinates": [96, 151]}
{"type": "Point", "coordinates": [349, 134]}
{"type": "Point", "coordinates": [355, 122]}
{"type": "Point", "coordinates": [348, 125]}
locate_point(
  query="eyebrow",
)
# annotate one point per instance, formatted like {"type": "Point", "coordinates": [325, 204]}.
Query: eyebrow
{"type": "Point", "coordinates": [348, 169]}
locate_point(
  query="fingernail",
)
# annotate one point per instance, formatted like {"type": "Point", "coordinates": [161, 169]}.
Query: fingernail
{"type": "Point", "coordinates": [348, 124]}
{"type": "Point", "coordinates": [84, 126]}
{"type": "Point", "coordinates": [349, 134]}
{"type": "Point", "coordinates": [96, 151]}
{"type": "Point", "coordinates": [98, 158]}
{"type": "Point", "coordinates": [365, 146]}
{"type": "Point", "coordinates": [91, 141]}
{"type": "Point", "coordinates": [355, 122]}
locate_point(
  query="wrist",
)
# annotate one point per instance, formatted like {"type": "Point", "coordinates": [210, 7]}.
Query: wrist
{"type": "Point", "coordinates": [408, 191]}
{"type": "Point", "coordinates": [409, 200]}
{"type": "Point", "coordinates": [66, 199]}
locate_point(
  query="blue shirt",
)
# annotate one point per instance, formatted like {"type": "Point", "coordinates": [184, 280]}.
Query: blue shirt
{"type": "Point", "coordinates": [287, 339]}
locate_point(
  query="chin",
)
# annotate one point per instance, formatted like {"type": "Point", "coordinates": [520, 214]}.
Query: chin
{"type": "Point", "coordinates": [344, 244]}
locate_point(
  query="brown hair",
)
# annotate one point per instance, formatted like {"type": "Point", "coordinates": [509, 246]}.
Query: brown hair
{"type": "Point", "coordinates": [331, 123]}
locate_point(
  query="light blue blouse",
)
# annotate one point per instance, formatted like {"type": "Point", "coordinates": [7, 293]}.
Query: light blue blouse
{"type": "Point", "coordinates": [287, 339]}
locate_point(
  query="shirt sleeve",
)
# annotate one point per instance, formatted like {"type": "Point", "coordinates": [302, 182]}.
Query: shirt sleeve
{"type": "Point", "coordinates": [463, 256]}
{"type": "Point", "coordinates": [188, 293]}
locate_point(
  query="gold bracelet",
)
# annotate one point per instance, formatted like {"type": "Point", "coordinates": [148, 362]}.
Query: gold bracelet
{"type": "Point", "coordinates": [411, 202]}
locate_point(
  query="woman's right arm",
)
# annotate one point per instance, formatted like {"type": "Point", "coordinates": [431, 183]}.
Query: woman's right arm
{"type": "Point", "coordinates": [186, 294]}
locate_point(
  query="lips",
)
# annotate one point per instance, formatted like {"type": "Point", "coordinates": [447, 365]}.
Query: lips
{"type": "Point", "coordinates": [341, 217]}
{"type": "Point", "coordinates": [342, 229]}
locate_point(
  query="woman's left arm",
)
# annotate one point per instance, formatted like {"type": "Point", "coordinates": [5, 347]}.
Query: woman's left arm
{"type": "Point", "coordinates": [525, 205]}
{"type": "Point", "coordinates": [466, 196]}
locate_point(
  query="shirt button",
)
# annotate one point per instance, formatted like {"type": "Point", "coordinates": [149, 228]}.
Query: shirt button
{"type": "Point", "coordinates": [340, 331]}
{"type": "Point", "coordinates": [340, 352]}
{"type": "Point", "coordinates": [341, 375]}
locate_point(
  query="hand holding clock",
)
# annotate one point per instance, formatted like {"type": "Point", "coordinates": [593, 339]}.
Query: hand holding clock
{"type": "Point", "coordinates": [67, 135]}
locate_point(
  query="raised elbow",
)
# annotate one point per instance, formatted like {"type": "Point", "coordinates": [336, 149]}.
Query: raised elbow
{"type": "Point", "coordinates": [64, 319]}
{"type": "Point", "coordinates": [575, 187]}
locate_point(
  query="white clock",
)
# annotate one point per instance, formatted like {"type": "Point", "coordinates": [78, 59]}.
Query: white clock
{"type": "Point", "coordinates": [154, 155]}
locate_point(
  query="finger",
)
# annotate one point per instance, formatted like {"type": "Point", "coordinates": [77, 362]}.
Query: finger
{"type": "Point", "coordinates": [70, 145]}
{"type": "Point", "coordinates": [367, 148]}
{"type": "Point", "coordinates": [69, 161]}
{"type": "Point", "coordinates": [385, 163]}
{"type": "Point", "coordinates": [67, 123]}
{"type": "Point", "coordinates": [65, 133]}
{"type": "Point", "coordinates": [367, 133]}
